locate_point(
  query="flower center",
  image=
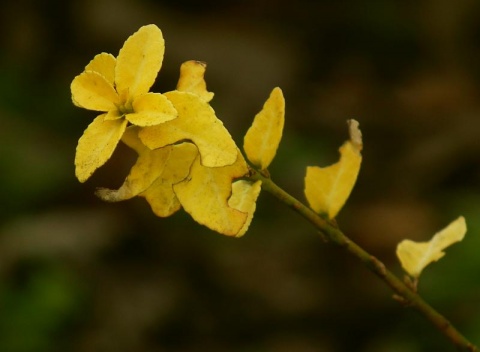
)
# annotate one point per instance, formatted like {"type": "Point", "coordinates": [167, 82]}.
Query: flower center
{"type": "Point", "coordinates": [125, 108]}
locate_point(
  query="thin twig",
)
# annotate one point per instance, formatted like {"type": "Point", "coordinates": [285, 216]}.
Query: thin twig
{"type": "Point", "coordinates": [330, 231]}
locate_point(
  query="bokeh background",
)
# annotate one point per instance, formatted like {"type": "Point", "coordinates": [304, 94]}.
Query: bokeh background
{"type": "Point", "coordinates": [77, 274]}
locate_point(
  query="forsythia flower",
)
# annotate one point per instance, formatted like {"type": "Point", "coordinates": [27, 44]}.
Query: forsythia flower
{"type": "Point", "coordinates": [186, 157]}
{"type": "Point", "coordinates": [119, 87]}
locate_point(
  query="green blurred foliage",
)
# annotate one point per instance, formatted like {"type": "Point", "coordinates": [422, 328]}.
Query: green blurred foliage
{"type": "Point", "coordinates": [38, 306]}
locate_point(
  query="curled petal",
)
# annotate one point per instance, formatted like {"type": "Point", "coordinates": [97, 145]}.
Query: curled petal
{"type": "Point", "coordinates": [192, 79]}
{"type": "Point", "coordinates": [139, 61]}
{"type": "Point", "coordinates": [162, 199]}
{"type": "Point", "coordinates": [263, 137]}
{"type": "Point", "coordinates": [205, 192]}
{"type": "Point", "coordinates": [104, 65]}
{"type": "Point", "coordinates": [328, 188]}
{"type": "Point", "coordinates": [160, 194]}
{"type": "Point", "coordinates": [196, 122]}
{"type": "Point", "coordinates": [168, 165]}
{"type": "Point", "coordinates": [244, 198]}
{"type": "Point", "coordinates": [92, 91]}
{"type": "Point", "coordinates": [415, 256]}
{"type": "Point", "coordinates": [96, 145]}
{"type": "Point", "coordinates": [151, 109]}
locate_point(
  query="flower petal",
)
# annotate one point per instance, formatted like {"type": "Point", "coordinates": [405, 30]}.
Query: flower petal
{"type": "Point", "coordinates": [92, 91]}
{"type": "Point", "coordinates": [151, 109]}
{"type": "Point", "coordinates": [204, 195]}
{"type": "Point", "coordinates": [96, 145]}
{"type": "Point", "coordinates": [168, 165]}
{"type": "Point", "coordinates": [328, 188]}
{"type": "Point", "coordinates": [103, 64]}
{"type": "Point", "coordinates": [192, 80]}
{"type": "Point", "coordinates": [160, 194]}
{"type": "Point", "coordinates": [244, 198]}
{"type": "Point", "coordinates": [113, 115]}
{"type": "Point", "coordinates": [415, 256]}
{"type": "Point", "coordinates": [197, 122]}
{"type": "Point", "coordinates": [162, 199]}
{"type": "Point", "coordinates": [139, 61]}
{"type": "Point", "coordinates": [263, 137]}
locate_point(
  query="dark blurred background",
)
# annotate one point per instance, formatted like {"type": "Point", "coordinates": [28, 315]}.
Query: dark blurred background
{"type": "Point", "coordinates": [77, 274]}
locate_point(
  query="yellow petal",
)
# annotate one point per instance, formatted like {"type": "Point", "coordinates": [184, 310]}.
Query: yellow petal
{"type": "Point", "coordinates": [162, 199]}
{"type": "Point", "coordinates": [96, 145]}
{"type": "Point", "coordinates": [113, 115]}
{"type": "Point", "coordinates": [263, 137]}
{"type": "Point", "coordinates": [151, 109]}
{"type": "Point", "coordinates": [139, 61]}
{"type": "Point", "coordinates": [204, 195]}
{"type": "Point", "coordinates": [130, 138]}
{"type": "Point", "coordinates": [415, 256]}
{"type": "Point", "coordinates": [244, 198]}
{"type": "Point", "coordinates": [160, 194]}
{"type": "Point", "coordinates": [166, 165]}
{"type": "Point", "coordinates": [327, 189]}
{"type": "Point", "coordinates": [104, 65]}
{"type": "Point", "coordinates": [92, 91]}
{"type": "Point", "coordinates": [196, 122]}
{"type": "Point", "coordinates": [192, 79]}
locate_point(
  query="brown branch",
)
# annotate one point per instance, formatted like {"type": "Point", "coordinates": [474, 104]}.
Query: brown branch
{"type": "Point", "coordinates": [330, 231]}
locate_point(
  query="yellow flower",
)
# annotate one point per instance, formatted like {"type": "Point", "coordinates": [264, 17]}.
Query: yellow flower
{"type": "Point", "coordinates": [119, 87]}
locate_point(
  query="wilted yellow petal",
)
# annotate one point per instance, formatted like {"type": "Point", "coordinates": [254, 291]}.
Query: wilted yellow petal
{"type": "Point", "coordinates": [355, 134]}
{"type": "Point", "coordinates": [244, 198]}
{"type": "Point", "coordinates": [169, 165]}
{"type": "Point", "coordinates": [328, 188]}
{"type": "Point", "coordinates": [104, 65]}
{"type": "Point", "coordinates": [205, 192]}
{"type": "Point", "coordinates": [151, 109]}
{"type": "Point", "coordinates": [139, 61]}
{"type": "Point", "coordinates": [92, 91]}
{"type": "Point", "coordinates": [160, 194]}
{"type": "Point", "coordinates": [415, 256]}
{"type": "Point", "coordinates": [192, 79]}
{"type": "Point", "coordinates": [196, 122]}
{"type": "Point", "coordinates": [162, 199]}
{"type": "Point", "coordinates": [263, 137]}
{"type": "Point", "coordinates": [96, 145]}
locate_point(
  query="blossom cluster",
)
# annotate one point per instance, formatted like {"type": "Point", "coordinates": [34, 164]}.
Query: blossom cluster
{"type": "Point", "coordinates": [186, 157]}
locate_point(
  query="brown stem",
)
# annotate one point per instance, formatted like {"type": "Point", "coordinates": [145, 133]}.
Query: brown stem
{"type": "Point", "coordinates": [331, 231]}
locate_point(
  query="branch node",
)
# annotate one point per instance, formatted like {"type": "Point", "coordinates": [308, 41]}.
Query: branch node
{"type": "Point", "coordinates": [402, 300]}
{"type": "Point", "coordinates": [379, 266]}
{"type": "Point", "coordinates": [412, 284]}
